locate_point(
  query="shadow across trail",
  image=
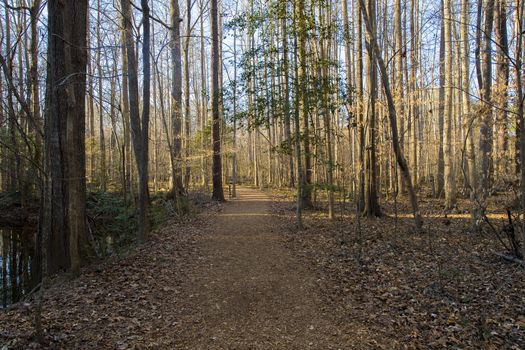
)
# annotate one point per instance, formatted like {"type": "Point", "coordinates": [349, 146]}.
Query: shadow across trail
{"type": "Point", "coordinates": [248, 291]}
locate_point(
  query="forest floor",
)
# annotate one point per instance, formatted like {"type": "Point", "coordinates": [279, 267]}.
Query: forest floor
{"type": "Point", "coordinates": [223, 280]}
{"type": "Point", "coordinates": [240, 276]}
{"type": "Point", "coordinates": [443, 288]}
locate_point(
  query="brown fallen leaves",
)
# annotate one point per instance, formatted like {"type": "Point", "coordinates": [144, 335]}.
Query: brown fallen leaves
{"type": "Point", "coordinates": [128, 303]}
{"type": "Point", "coordinates": [441, 289]}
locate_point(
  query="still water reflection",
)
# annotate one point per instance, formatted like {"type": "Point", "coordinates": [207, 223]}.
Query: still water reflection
{"type": "Point", "coordinates": [17, 258]}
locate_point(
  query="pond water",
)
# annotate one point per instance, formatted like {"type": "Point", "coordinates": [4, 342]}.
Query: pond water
{"type": "Point", "coordinates": [17, 261]}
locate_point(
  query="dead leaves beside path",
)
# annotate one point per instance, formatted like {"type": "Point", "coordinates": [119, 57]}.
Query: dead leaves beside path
{"type": "Point", "coordinates": [442, 289]}
{"type": "Point", "coordinates": [129, 303]}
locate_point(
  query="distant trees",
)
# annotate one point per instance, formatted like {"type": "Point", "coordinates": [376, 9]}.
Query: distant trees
{"type": "Point", "coordinates": [271, 93]}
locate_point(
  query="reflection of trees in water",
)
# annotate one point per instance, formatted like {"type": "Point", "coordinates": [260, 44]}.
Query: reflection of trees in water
{"type": "Point", "coordinates": [17, 256]}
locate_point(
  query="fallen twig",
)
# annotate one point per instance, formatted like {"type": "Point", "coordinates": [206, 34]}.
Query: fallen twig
{"type": "Point", "coordinates": [510, 258]}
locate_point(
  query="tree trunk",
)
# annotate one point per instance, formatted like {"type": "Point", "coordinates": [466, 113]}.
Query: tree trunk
{"type": "Point", "coordinates": [440, 181]}
{"type": "Point", "coordinates": [176, 105]}
{"type": "Point", "coordinates": [485, 141]}
{"type": "Point", "coordinates": [286, 92]}
{"type": "Point", "coordinates": [137, 136]}
{"type": "Point", "coordinates": [400, 52]}
{"type": "Point", "coordinates": [65, 134]}
{"type": "Point", "coordinates": [126, 152]}
{"type": "Point", "coordinates": [187, 110]}
{"type": "Point", "coordinates": [501, 89]}
{"type": "Point", "coordinates": [450, 179]}
{"type": "Point", "coordinates": [218, 193]}
{"type": "Point", "coordinates": [469, 119]}
{"type": "Point", "coordinates": [371, 201]}
{"type": "Point", "coordinates": [299, 101]}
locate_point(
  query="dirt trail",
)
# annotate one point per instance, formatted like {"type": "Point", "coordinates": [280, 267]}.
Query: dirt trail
{"type": "Point", "coordinates": [225, 282]}
{"type": "Point", "coordinates": [249, 292]}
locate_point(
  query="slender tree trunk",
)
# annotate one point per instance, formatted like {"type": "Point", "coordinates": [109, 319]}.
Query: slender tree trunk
{"type": "Point", "coordinates": [146, 88]}
{"type": "Point", "coordinates": [440, 181]}
{"type": "Point", "coordinates": [360, 106]}
{"type": "Point", "coordinates": [371, 201]}
{"type": "Point", "coordinates": [204, 96]}
{"type": "Point", "coordinates": [400, 52]}
{"type": "Point", "coordinates": [137, 136]}
{"type": "Point", "coordinates": [299, 101]}
{"type": "Point", "coordinates": [518, 6]}
{"type": "Point", "coordinates": [35, 96]}
{"type": "Point", "coordinates": [324, 55]}
{"type": "Point", "coordinates": [302, 104]}
{"type": "Point", "coordinates": [450, 179]}
{"type": "Point", "coordinates": [477, 51]}
{"type": "Point", "coordinates": [501, 89]}
{"type": "Point", "coordinates": [234, 153]}
{"type": "Point", "coordinates": [414, 97]}
{"type": "Point", "coordinates": [187, 110]}
{"type": "Point", "coordinates": [286, 92]}
{"type": "Point", "coordinates": [126, 152]}
{"type": "Point", "coordinates": [176, 104]}
{"type": "Point", "coordinates": [218, 193]}
{"type": "Point", "coordinates": [485, 141]}
{"type": "Point", "coordinates": [520, 143]}
{"type": "Point", "coordinates": [467, 117]}
{"type": "Point", "coordinates": [102, 139]}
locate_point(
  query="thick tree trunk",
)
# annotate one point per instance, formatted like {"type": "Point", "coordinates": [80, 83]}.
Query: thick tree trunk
{"type": "Point", "coordinates": [65, 134]}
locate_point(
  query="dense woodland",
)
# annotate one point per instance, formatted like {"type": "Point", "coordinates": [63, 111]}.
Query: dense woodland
{"type": "Point", "coordinates": [355, 109]}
